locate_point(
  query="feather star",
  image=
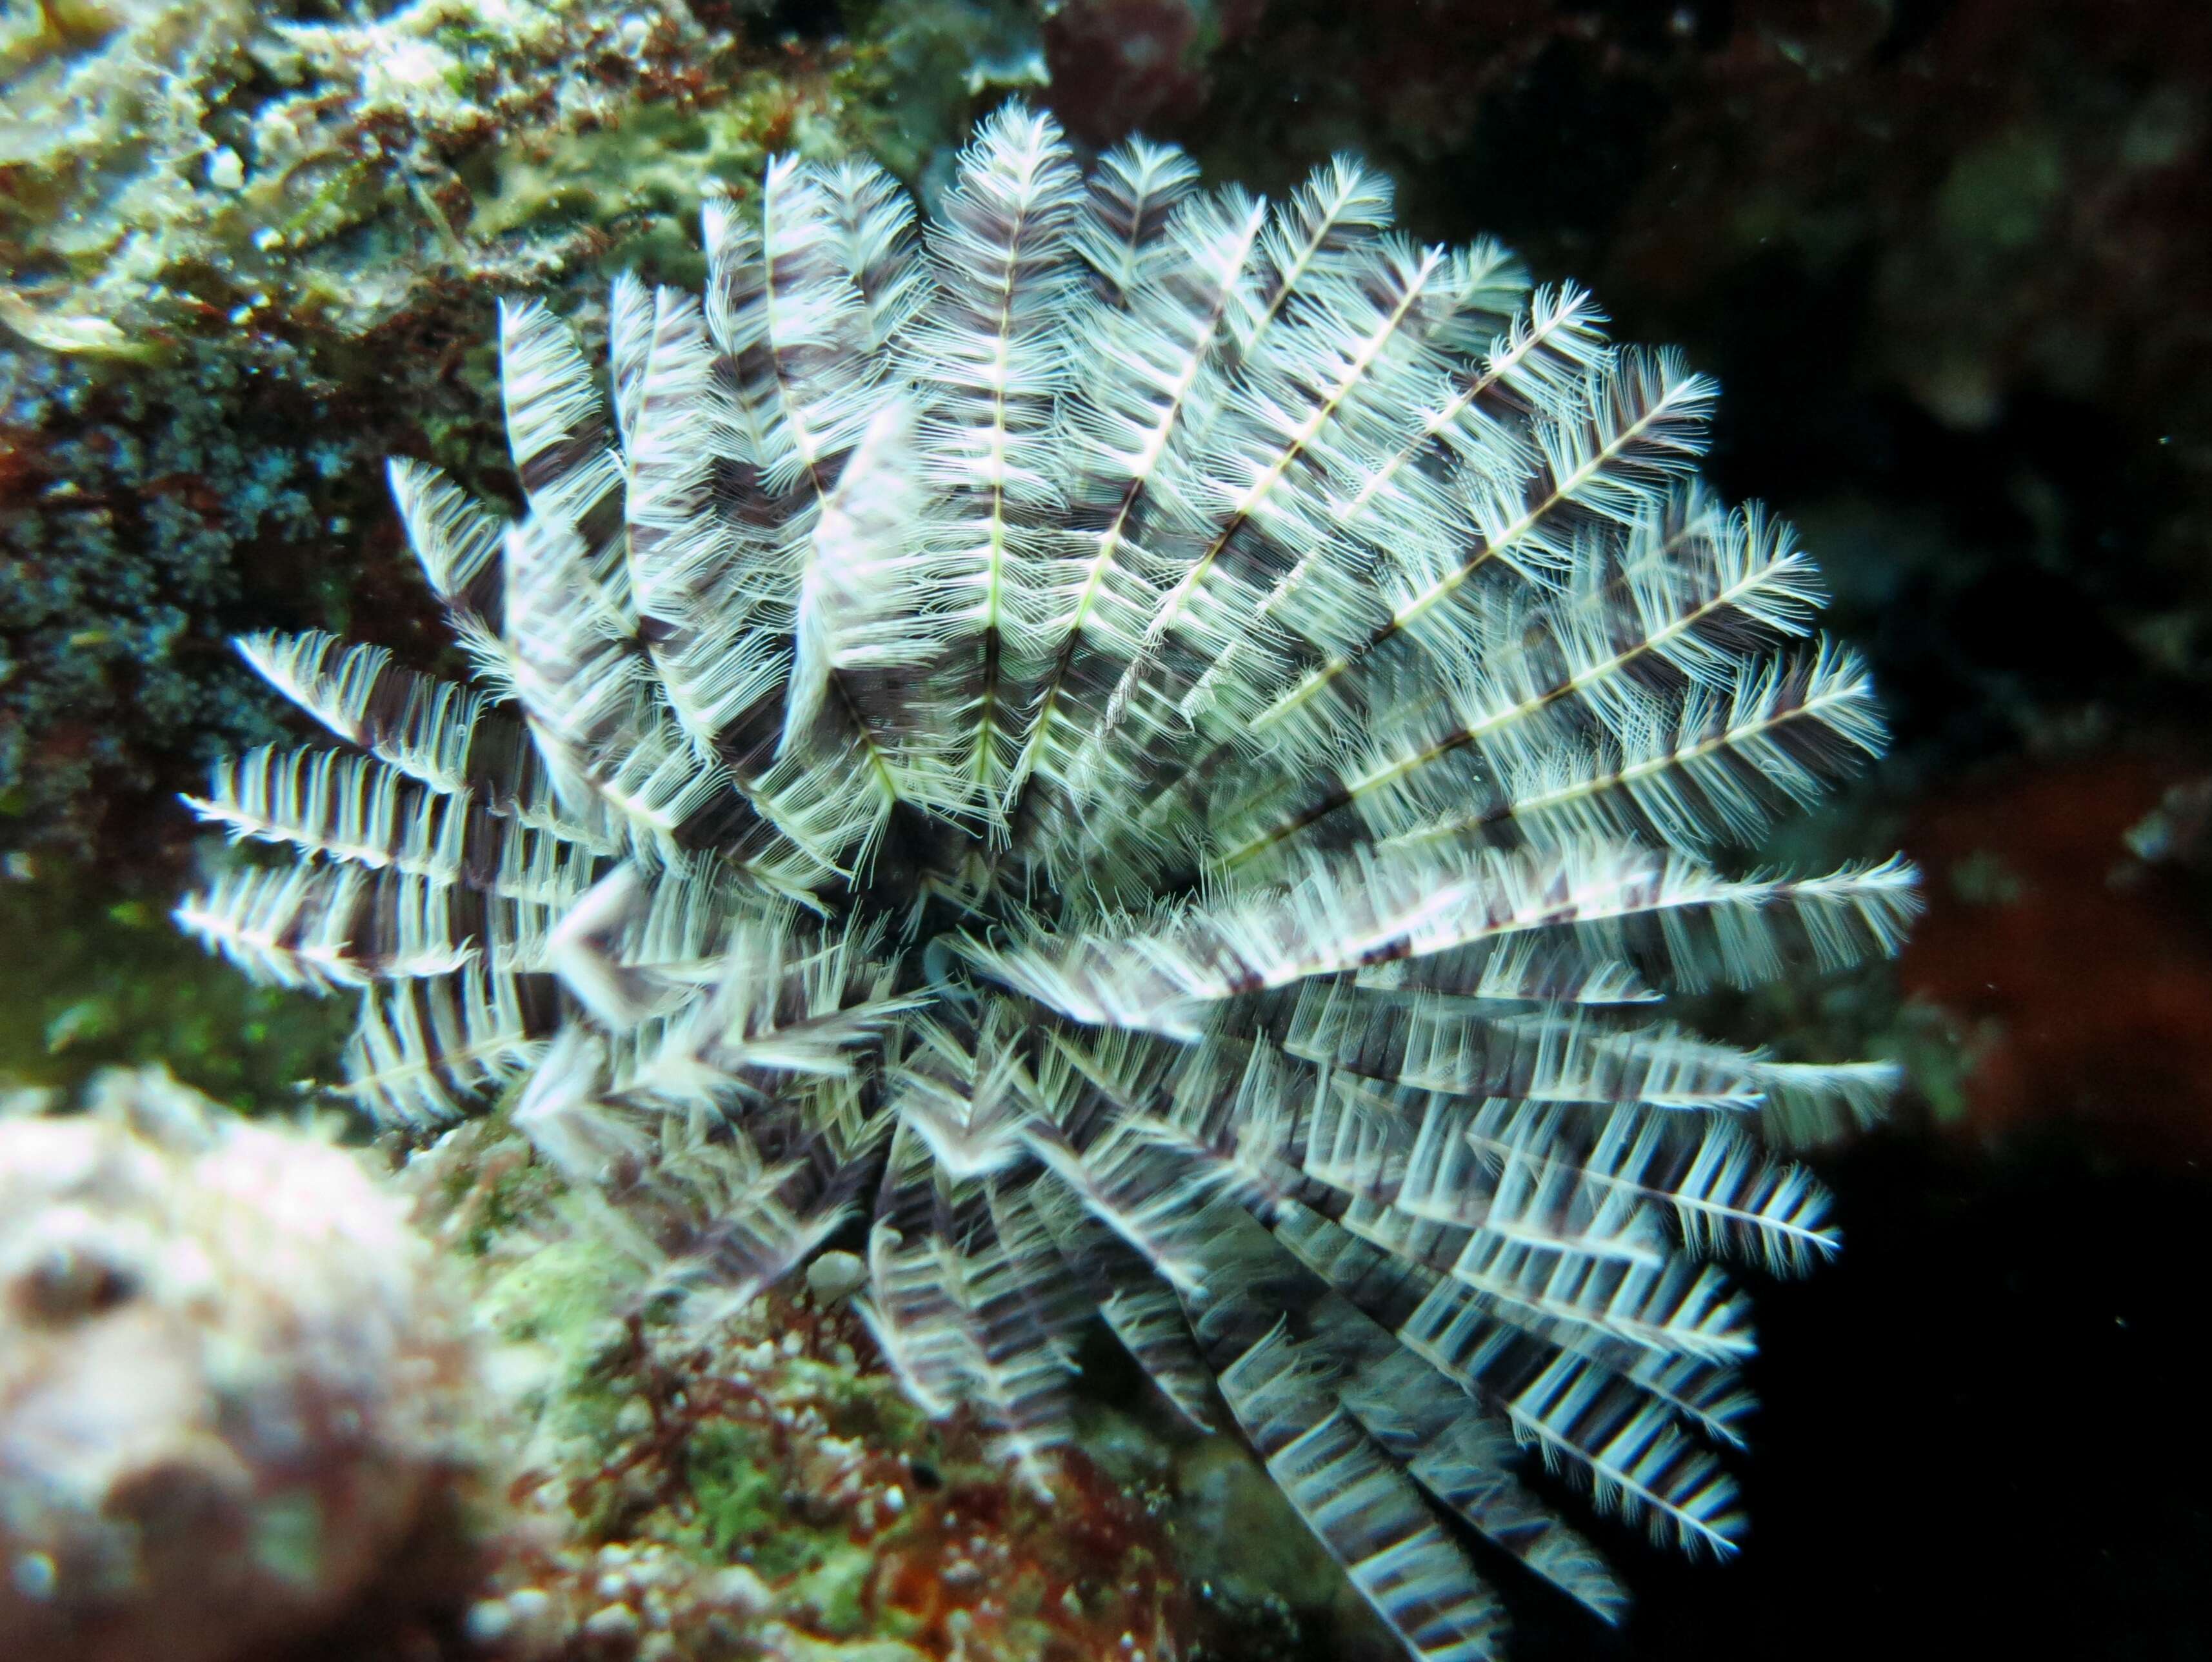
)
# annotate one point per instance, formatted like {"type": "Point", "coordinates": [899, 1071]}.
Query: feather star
{"type": "Point", "coordinates": [1156, 754]}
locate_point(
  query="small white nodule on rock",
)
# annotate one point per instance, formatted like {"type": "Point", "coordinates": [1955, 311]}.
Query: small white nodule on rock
{"type": "Point", "coordinates": [612, 1622]}
{"type": "Point", "coordinates": [488, 1621]}
{"type": "Point", "coordinates": [834, 1276]}
{"type": "Point", "coordinates": [739, 1591]}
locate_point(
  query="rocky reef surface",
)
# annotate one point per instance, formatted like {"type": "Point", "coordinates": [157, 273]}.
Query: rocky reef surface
{"type": "Point", "coordinates": [264, 1397]}
{"type": "Point", "coordinates": [756, 1487]}
{"type": "Point", "coordinates": [252, 251]}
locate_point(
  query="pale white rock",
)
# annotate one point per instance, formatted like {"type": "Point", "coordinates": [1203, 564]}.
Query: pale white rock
{"type": "Point", "coordinates": [228, 1379]}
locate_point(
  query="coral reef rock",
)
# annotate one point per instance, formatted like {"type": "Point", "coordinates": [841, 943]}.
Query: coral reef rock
{"type": "Point", "coordinates": [228, 1380]}
{"type": "Point", "coordinates": [242, 252]}
{"type": "Point", "coordinates": [759, 1488]}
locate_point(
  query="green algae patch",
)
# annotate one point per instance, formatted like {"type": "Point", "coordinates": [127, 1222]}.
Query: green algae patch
{"type": "Point", "coordinates": [869, 1407]}
{"type": "Point", "coordinates": [637, 179]}
{"type": "Point", "coordinates": [85, 985]}
{"type": "Point", "coordinates": [736, 1503]}
{"type": "Point", "coordinates": [830, 1595]}
{"type": "Point", "coordinates": [560, 1294]}
{"type": "Point", "coordinates": [2000, 194]}
{"type": "Point", "coordinates": [557, 1304]}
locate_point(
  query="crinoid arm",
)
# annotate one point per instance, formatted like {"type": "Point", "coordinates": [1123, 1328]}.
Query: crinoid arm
{"type": "Point", "coordinates": [1131, 752]}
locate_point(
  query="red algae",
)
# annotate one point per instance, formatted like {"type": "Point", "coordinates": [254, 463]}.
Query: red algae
{"type": "Point", "coordinates": [2081, 979]}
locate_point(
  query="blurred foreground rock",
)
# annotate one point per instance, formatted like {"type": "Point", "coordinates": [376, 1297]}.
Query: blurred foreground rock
{"type": "Point", "coordinates": [229, 1380]}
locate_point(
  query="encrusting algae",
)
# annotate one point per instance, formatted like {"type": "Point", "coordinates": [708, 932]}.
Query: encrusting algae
{"type": "Point", "coordinates": [762, 1490]}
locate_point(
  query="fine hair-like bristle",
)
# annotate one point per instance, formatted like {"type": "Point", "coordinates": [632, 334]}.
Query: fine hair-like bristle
{"type": "Point", "coordinates": [1155, 757]}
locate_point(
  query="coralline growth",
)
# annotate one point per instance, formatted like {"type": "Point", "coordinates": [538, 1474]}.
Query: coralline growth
{"type": "Point", "coordinates": [213, 219]}
{"type": "Point", "coordinates": [1158, 752]}
{"type": "Point", "coordinates": [756, 1491]}
{"type": "Point", "coordinates": [244, 247]}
